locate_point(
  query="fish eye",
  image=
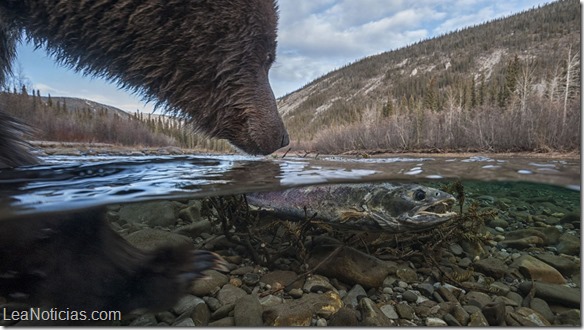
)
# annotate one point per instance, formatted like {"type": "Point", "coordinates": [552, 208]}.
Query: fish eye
{"type": "Point", "coordinates": [419, 195]}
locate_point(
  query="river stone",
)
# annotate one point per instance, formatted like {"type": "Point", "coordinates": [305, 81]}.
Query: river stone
{"type": "Point", "coordinates": [191, 213]}
{"type": "Point", "coordinates": [212, 302]}
{"type": "Point", "coordinates": [163, 214]}
{"type": "Point", "coordinates": [533, 316]}
{"type": "Point", "coordinates": [316, 283]}
{"type": "Point", "coordinates": [166, 317]}
{"type": "Point", "coordinates": [478, 299]}
{"type": "Point", "coordinates": [542, 307]}
{"type": "Point", "coordinates": [146, 320]}
{"type": "Point", "coordinates": [150, 239]}
{"type": "Point", "coordinates": [407, 275]}
{"type": "Point", "coordinates": [507, 301]}
{"type": "Point", "coordinates": [351, 266]}
{"type": "Point", "coordinates": [251, 279]}
{"type": "Point", "coordinates": [187, 303]}
{"type": "Point", "coordinates": [194, 229]}
{"type": "Point", "coordinates": [223, 311]}
{"type": "Point", "coordinates": [491, 267]}
{"type": "Point", "coordinates": [271, 300]}
{"type": "Point", "coordinates": [523, 243]}
{"type": "Point", "coordinates": [573, 218]}
{"type": "Point", "coordinates": [298, 312]}
{"type": "Point", "coordinates": [498, 222]}
{"type": "Point", "coordinates": [372, 315]}
{"type": "Point", "coordinates": [494, 313]}
{"type": "Point", "coordinates": [435, 322]}
{"type": "Point", "coordinates": [201, 315]}
{"type": "Point", "coordinates": [185, 322]}
{"type": "Point", "coordinates": [537, 270]}
{"type": "Point", "coordinates": [282, 278]}
{"type": "Point", "coordinates": [345, 317]}
{"type": "Point", "coordinates": [223, 323]}
{"type": "Point", "coordinates": [426, 289]}
{"type": "Point", "coordinates": [389, 311]}
{"type": "Point", "coordinates": [451, 320]}
{"type": "Point", "coordinates": [477, 319]}
{"type": "Point", "coordinates": [515, 297]}
{"type": "Point", "coordinates": [248, 312]}
{"type": "Point", "coordinates": [570, 317]}
{"type": "Point", "coordinates": [460, 314]}
{"type": "Point", "coordinates": [404, 311]}
{"type": "Point", "coordinates": [569, 244]}
{"type": "Point", "coordinates": [207, 286]}
{"type": "Point", "coordinates": [456, 249]}
{"type": "Point", "coordinates": [565, 265]}
{"type": "Point", "coordinates": [410, 296]}
{"type": "Point", "coordinates": [353, 296]}
{"type": "Point", "coordinates": [229, 294]}
{"type": "Point", "coordinates": [553, 293]}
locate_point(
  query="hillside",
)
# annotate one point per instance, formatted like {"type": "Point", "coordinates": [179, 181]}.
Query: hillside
{"type": "Point", "coordinates": [67, 119]}
{"type": "Point", "coordinates": [506, 66]}
{"type": "Point", "coordinates": [73, 104]}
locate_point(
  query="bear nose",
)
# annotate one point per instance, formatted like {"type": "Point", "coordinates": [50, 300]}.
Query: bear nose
{"type": "Point", "coordinates": [285, 140]}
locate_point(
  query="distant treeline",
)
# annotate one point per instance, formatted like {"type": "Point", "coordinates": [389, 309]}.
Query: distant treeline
{"type": "Point", "coordinates": [517, 113]}
{"type": "Point", "coordinates": [53, 120]}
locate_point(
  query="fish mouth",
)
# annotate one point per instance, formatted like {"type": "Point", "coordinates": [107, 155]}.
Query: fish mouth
{"type": "Point", "coordinates": [440, 209]}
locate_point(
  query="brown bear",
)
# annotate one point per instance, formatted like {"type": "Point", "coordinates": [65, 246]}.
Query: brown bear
{"type": "Point", "coordinates": [206, 60]}
{"type": "Point", "coordinates": [203, 60]}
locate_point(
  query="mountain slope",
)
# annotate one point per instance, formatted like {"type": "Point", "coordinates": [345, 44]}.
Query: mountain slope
{"type": "Point", "coordinates": [432, 74]}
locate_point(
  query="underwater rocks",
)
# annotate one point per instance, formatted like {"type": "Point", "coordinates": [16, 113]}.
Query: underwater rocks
{"type": "Point", "coordinates": [522, 269]}
{"type": "Point", "coordinates": [515, 275]}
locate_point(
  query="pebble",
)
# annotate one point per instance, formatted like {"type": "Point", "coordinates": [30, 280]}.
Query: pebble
{"type": "Point", "coordinates": [477, 319]}
{"type": "Point", "coordinates": [318, 283]}
{"type": "Point", "coordinates": [187, 303]}
{"type": "Point", "coordinates": [410, 296]}
{"type": "Point", "coordinates": [248, 312]}
{"type": "Point", "coordinates": [404, 311]}
{"type": "Point", "coordinates": [537, 270]}
{"type": "Point", "coordinates": [494, 313]}
{"type": "Point", "coordinates": [353, 296]}
{"type": "Point", "coordinates": [426, 289]}
{"type": "Point", "coordinates": [251, 279]}
{"type": "Point", "coordinates": [435, 322]}
{"type": "Point", "coordinates": [389, 311]}
{"type": "Point", "coordinates": [296, 293]}
{"type": "Point", "coordinates": [212, 282]}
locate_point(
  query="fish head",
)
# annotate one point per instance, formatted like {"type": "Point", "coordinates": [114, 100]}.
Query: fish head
{"type": "Point", "coordinates": [412, 207]}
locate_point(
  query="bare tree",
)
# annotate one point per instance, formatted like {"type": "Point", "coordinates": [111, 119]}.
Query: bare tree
{"type": "Point", "coordinates": [525, 82]}
{"type": "Point", "coordinates": [571, 80]}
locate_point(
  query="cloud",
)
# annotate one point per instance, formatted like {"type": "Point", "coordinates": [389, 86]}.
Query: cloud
{"type": "Point", "coordinates": [318, 36]}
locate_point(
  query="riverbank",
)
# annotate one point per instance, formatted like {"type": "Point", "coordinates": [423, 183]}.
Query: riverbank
{"type": "Point", "coordinates": [88, 148]}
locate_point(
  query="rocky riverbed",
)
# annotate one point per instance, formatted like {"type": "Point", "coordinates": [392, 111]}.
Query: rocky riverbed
{"type": "Point", "coordinates": [513, 260]}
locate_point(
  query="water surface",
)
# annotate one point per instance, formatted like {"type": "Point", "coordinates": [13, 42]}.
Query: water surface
{"type": "Point", "coordinates": [67, 183]}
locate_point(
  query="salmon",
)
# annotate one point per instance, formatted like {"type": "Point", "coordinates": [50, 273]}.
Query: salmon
{"type": "Point", "coordinates": [386, 207]}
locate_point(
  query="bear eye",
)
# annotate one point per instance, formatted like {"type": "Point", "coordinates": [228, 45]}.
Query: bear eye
{"type": "Point", "coordinates": [419, 195]}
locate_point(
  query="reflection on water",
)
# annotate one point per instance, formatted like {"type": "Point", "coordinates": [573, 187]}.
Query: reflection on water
{"type": "Point", "coordinates": [67, 183]}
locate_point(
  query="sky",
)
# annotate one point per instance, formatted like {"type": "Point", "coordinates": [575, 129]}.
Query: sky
{"type": "Point", "coordinates": [314, 37]}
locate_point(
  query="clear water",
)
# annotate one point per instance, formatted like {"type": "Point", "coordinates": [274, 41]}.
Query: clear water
{"type": "Point", "coordinates": [66, 183]}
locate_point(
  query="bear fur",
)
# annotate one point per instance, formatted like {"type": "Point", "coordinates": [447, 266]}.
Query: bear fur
{"type": "Point", "coordinates": [205, 60]}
